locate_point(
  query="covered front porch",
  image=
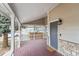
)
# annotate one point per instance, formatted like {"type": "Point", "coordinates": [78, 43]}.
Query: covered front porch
{"type": "Point", "coordinates": [38, 29]}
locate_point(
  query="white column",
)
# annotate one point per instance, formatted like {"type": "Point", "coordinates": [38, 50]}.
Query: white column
{"type": "Point", "coordinates": [34, 32]}
{"type": "Point", "coordinates": [12, 33]}
{"type": "Point", "coordinates": [19, 27]}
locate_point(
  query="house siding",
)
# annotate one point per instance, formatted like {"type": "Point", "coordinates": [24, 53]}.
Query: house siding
{"type": "Point", "coordinates": [69, 13]}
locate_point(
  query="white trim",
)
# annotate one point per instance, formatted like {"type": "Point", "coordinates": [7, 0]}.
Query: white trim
{"type": "Point", "coordinates": [19, 27]}
{"type": "Point", "coordinates": [10, 10]}
{"type": "Point", "coordinates": [49, 31]}
{"type": "Point", "coordinates": [57, 19]}
{"type": "Point", "coordinates": [2, 12]}
{"type": "Point", "coordinates": [12, 17]}
{"type": "Point", "coordinates": [12, 33]}
{"type": "Point", "coordinates": [48, 28]}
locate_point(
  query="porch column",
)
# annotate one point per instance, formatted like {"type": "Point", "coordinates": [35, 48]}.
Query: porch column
{"type": "Point", "coordinates": [12, 33]}
{"type": "Point", "coordinates": [19, 27]}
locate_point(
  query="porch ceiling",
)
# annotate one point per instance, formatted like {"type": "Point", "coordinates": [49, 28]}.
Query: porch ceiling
{"type": "Point", "coordinates": [27, 12]}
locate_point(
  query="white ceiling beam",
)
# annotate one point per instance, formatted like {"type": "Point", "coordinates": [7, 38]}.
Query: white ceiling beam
{"type": "Point", "coordinates": [10, 10]}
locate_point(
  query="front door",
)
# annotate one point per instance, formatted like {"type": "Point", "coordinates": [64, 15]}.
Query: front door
{"type": "Point", "coordinates": [53, 34]}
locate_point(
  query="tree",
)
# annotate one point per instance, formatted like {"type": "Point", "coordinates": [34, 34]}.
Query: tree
{"type": "Point", "coordinates": [4, 29]}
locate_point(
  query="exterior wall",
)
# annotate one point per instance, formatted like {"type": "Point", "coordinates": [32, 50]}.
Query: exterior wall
{"type": "Point", "coordinates": [69, 13]}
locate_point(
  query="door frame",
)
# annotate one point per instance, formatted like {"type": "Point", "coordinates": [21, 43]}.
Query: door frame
{"type": "Point", "coordinates": [49, 44]}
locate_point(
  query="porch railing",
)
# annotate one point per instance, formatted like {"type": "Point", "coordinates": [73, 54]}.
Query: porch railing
{"type": "Point", "coordinates": [68, 48]}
